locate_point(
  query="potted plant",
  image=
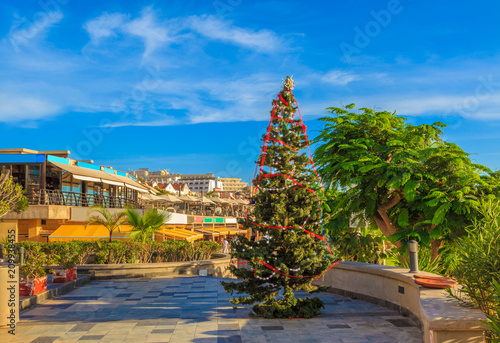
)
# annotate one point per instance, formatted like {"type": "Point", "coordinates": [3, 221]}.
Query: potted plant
{"type": "Point", "coordinates": [33, 276]}
{"type": "Point", "coordinates": [67, 258]}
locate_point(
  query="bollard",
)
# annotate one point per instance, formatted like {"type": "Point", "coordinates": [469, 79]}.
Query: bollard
{"type": "Point", "coordinates": [1, 250]}
{"type": "Point", "coordinates": [413, 250]}
{"type": "Point", "coordinates": [21, 256]}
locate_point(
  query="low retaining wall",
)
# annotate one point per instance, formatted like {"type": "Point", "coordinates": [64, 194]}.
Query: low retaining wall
{"type": "Point", "coordinates": [440, 319]}
{"type": "Point", "coordinates": [218, 267]}
{"type": "Point", "coordinates": [58, 290]}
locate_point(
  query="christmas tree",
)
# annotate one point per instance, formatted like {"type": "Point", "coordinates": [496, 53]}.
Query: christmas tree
{"type": "Point", "coordinates": [294, 249]}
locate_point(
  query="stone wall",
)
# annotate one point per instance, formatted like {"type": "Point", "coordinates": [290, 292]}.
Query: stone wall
{"type": "Point", "coordinates": [218, 266]}
{"type": "Point", "coordinates": [440, 319]}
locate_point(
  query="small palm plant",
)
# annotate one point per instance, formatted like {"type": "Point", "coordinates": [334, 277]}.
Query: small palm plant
{"type": "Point", "coordinates": [145, 225]}
{"type": "Point", "coordinates": [111, 221]}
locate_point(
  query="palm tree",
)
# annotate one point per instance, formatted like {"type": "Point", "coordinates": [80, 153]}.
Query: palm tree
{"type": "Point", "coordinates": [111, 221]}
{"type": "Point", "coordinates": [145, 225]}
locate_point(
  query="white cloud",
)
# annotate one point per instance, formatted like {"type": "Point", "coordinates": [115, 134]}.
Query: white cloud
{"type": "Point", "coordinates": [338, 77]}
{"type": "Point", "coordinates": [17, 107]}
{"type": "Point", "coordinates": [104, 26]}
{"type": "Point", "coordinates": [22, 36]}
{"type": "Point", "coordinates": [214, 28]}
{"type": "Point", "coordinates": [147, 27]}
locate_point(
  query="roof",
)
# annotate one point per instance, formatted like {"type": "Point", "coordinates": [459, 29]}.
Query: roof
{"type": "Point", "coordinates": [59, 153]}
{"type": "Point", "coordinates": [176, 186]}
{"type": "Point", "coordinates": [87, 174]}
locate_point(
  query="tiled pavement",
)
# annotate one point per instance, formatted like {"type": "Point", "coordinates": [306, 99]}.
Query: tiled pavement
{"type": "Point", "coordinates": [196, 309]}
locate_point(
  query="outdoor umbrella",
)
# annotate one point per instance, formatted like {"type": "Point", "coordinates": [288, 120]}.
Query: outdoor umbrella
{"type": "Point", "coordinates": [170, 198]}
{"type": "Point", "coordinates": [186, 199]}
{"type": "Point", "coordinates": [205, 200]}
{"type": "Point", "coordinates": [151, 197]}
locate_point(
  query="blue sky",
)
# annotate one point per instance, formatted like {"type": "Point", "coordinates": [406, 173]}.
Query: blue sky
{"type": "Point", "coordinates": [187, 85]}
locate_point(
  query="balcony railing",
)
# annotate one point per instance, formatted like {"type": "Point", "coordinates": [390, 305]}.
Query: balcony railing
{"type": "Point", "coordinates": [58, 197]}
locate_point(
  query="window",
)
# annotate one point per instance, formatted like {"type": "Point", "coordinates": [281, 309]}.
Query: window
{"type": "Point", "coordinates": [34, 177]}
{"type": "Point", "coordinates": [19, 174]}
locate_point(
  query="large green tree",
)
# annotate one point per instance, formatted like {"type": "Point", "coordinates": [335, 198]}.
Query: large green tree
{"type": "Point", "coordinates": [12, 197]}
{"type": "Point", "coordinates": [287, 214]}
{"type": "Point", "coordinates": [402, 177]}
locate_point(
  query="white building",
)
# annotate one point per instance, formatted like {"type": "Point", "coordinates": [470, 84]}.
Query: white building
{"type": "Point", "coordinates": [196, 182]}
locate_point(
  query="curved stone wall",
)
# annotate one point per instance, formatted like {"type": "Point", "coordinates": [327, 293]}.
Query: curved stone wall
{"type": "Point", "coordinates": [440, 319]}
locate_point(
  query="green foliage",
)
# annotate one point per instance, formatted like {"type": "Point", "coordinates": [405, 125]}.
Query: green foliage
{"type": "Point", "coordinates": [35, 261]}
{"type": "Point", "coordinates": [64, 253]}
{"type": "Point", "coordinates": [478, 265]}
{"type": "Point", "coordinates": [359, 243]}
{"type": "Point", "coordinates": [402, 177]}
{"type": "Point", "coordinates": [12, 197]}
{"type": "Point", "coordinates": [425, 261]}
{"type": "Point", "coordinates": [104, 217]}
{"type": "Point", "coordinates": [117, 252]}
{"type": "Point", "coordinates": [289, 307]}
{"type": "Point", "coordinates": [145, 225]}
{"type": "Point", "coordinates": [494, 317]}
{"type": "Point", "coordinates": [293, 251]}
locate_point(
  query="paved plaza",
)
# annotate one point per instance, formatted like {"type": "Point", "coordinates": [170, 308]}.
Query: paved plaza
{"type": "Point", "coordinates": [196, 309]}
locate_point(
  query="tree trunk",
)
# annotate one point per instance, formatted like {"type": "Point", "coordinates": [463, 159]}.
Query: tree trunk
{"type": "Point", "coordinates": [382, 219]}
{"type": "Point", "coordinates": [435, 245]}
{"type": "Point", "coordinates": [110, 236]}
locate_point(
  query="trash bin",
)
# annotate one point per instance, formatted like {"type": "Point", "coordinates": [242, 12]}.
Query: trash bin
{"type": "Point", "coordinates": [9, 295]}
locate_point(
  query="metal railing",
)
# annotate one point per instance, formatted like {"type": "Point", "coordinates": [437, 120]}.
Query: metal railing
{"type": "Point", "coordinates": [58, 197]}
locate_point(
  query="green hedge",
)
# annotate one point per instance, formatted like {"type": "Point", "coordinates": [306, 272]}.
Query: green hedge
{"type": "Point", "coordinates": [128, 252]}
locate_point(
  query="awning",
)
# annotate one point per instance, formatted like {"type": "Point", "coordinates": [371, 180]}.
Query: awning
{"type": "Point", "coordinates": [137, 188]}
{"type": "Point", "coordinates": [115, 183]}
{"type": "Point", "coordinates": [86, 178]}
{"type": "Point", "coordinates": [99, 176]}
{"type": "Point", "coordinates": [219, 230]}
{"type": "Point", "coordinates": [181, 234]}
{"type": "Point", "coordinates": [207, 232]}
{"type": "Point", "coordinates": [68, 232]}
{"type": "Point", "coordinates": [229, 231]}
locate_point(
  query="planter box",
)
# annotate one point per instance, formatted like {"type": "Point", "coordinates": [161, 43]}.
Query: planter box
{"type": "Point", "coordinates": [32, 286]}
{"type": "Point", "coordinates": [64, 275]}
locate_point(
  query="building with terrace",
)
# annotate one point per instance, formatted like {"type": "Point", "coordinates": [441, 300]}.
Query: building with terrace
{"type": "Point", "coordinates": [61, 190]}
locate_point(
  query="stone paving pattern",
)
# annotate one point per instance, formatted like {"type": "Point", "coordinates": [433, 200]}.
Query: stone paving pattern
{"type": "Point", "coordinates": [196, 309]}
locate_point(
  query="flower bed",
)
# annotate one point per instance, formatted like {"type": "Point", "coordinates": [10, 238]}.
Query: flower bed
{"type": "Point", "coordinates": [64, 275]}
{"type": "Point", "coordinates": [32, 286]}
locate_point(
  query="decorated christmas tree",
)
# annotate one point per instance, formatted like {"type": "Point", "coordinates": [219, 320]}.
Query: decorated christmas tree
{"type": "Point", "coordinates": [294, 248]}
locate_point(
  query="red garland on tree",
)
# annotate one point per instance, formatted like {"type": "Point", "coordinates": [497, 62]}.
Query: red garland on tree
{"type": "Point", "coordinates": [294, 249]}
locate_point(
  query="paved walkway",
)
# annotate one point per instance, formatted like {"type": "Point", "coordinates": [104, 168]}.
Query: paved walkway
{"type": "Point", "coordinates": [196, 309]}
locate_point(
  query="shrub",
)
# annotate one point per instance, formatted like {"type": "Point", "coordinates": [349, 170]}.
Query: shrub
{"type": "Point", "coordinates": [478, 265]}
{"type": "Point", "coordinates": [494, 318]}
{"type": "Point", "coordinates": [116, 252]}
{"type": "Point", "coordinates": [35, 261]}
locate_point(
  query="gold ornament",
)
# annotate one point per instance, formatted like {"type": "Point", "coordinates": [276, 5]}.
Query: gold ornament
{"type": "Point", "coordinates": [288, 83]}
